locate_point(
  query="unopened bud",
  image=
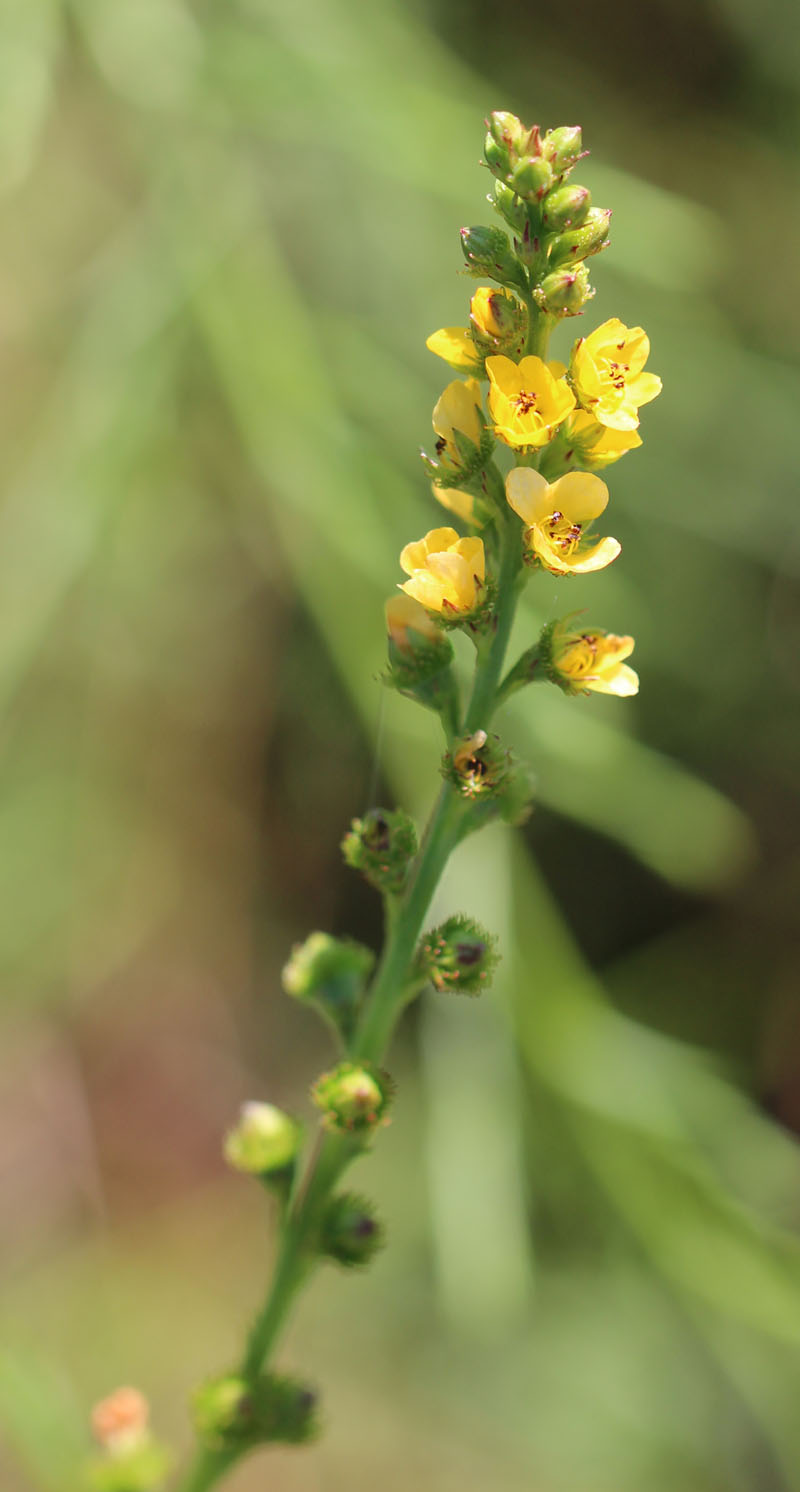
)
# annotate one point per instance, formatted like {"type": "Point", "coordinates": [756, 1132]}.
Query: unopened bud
{"type": "Point", "coordinates": [265, 1142]}
{"type": "Point", "coordinates": [488, 253]}
{"type": "Point", "coordinates": [382, 846]}
{"type": "Point", "coordinates": [130, 1460]}
{"type": "Point", "coordinates": [420, 654]}
{"type": "Point", "coordinates": [563, 147]}
{"type": "Point", "coordinates": [582, 242]}
{"type": "Point", "coordinates": [564, 292]}
{"type": "Point", "coordinates": [565, 207]}
{"type": "Point", "coordinates": [458, 956]}
{"type": "Point", "coordinates": [499, 322]}
{"type": "Point", "coordinates": [353, 1097]}
{"type": "Point", "coordinates": [350, 1232]}
{"type": "Point", "coordinates": [532, 178]}
{"type": "Point", "coordinates": [233, 1413]}
{"type": "Point", "coordinates": [330, 973]}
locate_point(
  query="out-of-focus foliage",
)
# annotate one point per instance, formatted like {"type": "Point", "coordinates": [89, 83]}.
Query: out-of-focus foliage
{"type": "Point", "coordinates": [228, 229]}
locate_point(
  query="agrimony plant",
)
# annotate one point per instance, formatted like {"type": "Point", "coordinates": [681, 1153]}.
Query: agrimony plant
{"type": "Point", "coordinates": [519, 440]}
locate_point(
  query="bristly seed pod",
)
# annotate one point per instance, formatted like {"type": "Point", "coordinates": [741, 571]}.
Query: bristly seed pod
{"type": "Point", "coordinates": [350, 1232]}
{"type": "Point", "coordinates": [382, 846]}
{"type": "Point", "coordinates": [232, 1413]}
{"type": "Point", "coordinates": [459, 956]}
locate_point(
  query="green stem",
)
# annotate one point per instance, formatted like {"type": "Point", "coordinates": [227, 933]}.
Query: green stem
{"type": "Point", "coordinates": [389, 989]}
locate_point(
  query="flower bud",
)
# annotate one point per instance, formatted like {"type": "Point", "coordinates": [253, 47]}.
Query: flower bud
{"type": "Point", "coordinates": [234, 1413]}
{"type": "Point", "coordinates": [265, 1142]}
{"type": "Point", "coordinates": [353, 1097]}
{"type": "Point", "coordinates": [564, 292]}
{"type": "Point", "coordinates": [382, 846]}
{"type": "Point", "coordinates": [562, 147]}
{"type": "Point", "coordinates": [582, 242]}
{"type": "Point", "coordinates": [350, 1232]}
{"type": "Point", "coordinates": [499, 322]}
{"type": "Point", "coordinates": [331, 974]}
{"type": "Point", "coordinates": [459, 956]}
{"type": "Point", "coordinates": [507, 141]}
{"type": "Point", "coordinates": [510, 206]}
{"type": "Point", "coordinates": [532, 178]}
{"type": "Point", "coordinates": [488, 252]}
{"type": "Point", "coordinates": [477, 765]}
{"type": "Point", "coordinates": [565, 207]}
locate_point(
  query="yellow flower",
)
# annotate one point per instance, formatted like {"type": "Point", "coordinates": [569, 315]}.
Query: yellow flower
{"type": "Point", "coordinates": [498, 322]}
{"type": "Point", "coordinates": [459, 502]}
{"type": "Point", "coordinates": [597, 445]}
{"type": "Point", "coordinates": [458, 411]}
{"type": "Point", "coordinates": [590, 660]}
{"type": "Point", "coordinates": [528, 400]}
{"type": "Point", "coordinates": [447, 572]}
{"type": "Point", "coordinates": [607, 373]}
{"type": "Point", "coordinates": [404, 614]}
{"type": "Point", "coordinates": [556, 515]}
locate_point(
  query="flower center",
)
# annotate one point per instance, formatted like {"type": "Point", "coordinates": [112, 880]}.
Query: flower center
{"type": "Point", "coordinates": [616, 374]}
{"type": "Point", "coordinates": [580, 657]}
{"type": "Point", "coordinates": [525, 401]}
{"type": "Point", "coordinates": [563, 534]}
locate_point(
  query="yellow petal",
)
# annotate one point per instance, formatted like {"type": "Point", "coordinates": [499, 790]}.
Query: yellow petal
{"type": "Point", "coordinates": [527, 493]}
{"type": "Point", "coordinates": [579, 496]}
{"type": "Point", "coordinates": [644, 387]}
{"type": "Point", "coordinates": [472, 552]}
{"type": "Point", "coordinates": [623, 682]}
{"type": "Point", "coordinates": [455, 345]}
{"type": "Point", "coordinates": [595, 558]}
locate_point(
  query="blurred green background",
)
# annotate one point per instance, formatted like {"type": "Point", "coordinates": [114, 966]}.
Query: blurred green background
{"type": "Point", "coordinates": [228, 227]}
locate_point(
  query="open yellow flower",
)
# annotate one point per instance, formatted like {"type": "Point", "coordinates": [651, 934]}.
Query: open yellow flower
{"type": "Point", "coordinates": [498, 322]}
{"type": "Point", "coordinates": [607, 373]}
{"type": "Point", "coordinates": [528, 400]}
{"type": "Point", "coordinates": [447, 572]}
{"type": "Point", "coordinates": [556, 515]}
{"type": "Point", "coordinates": [591, 660]}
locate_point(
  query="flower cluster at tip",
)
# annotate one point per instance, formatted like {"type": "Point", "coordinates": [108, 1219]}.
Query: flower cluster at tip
{"type": "Point", "coordinates": [520, 435]}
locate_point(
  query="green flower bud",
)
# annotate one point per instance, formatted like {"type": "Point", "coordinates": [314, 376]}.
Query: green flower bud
{"type": "Point", "coordinates": [420, 654]}
{"type": "Point", "coordinates": [382, 846]}
{"type": "Point", "coordinates": [234, 1413]}
{"type": "Point", "coordinates": [489, 253]}
{"type": "Point", "coordinates": [330, 973]}
{"type": "Point", "coordinates": [565, 207]}
{"type": "Point", "coordinates": [350, 1232]}
{"type": "Point", "coordinates": [478, 765]}
{"type": "Point", "coordinates": [582, 242]}
{"type": "Point", "coordinates": [459, 956]}
{"type": "Point", "coordinates": [353, 1097]}
{"type": "Point", "coordinates": [532, 178]}
{"type": "Point", "coordinates": [265, 1142]}
{"type": "Point", "coordinates": [507, 141]}
{"type": "Point", "coordinates": [565, 291]}
{"type": "Point", "coordinates": [563, 147]}
{"type": "Point", "coordinates": [142, 1468]}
